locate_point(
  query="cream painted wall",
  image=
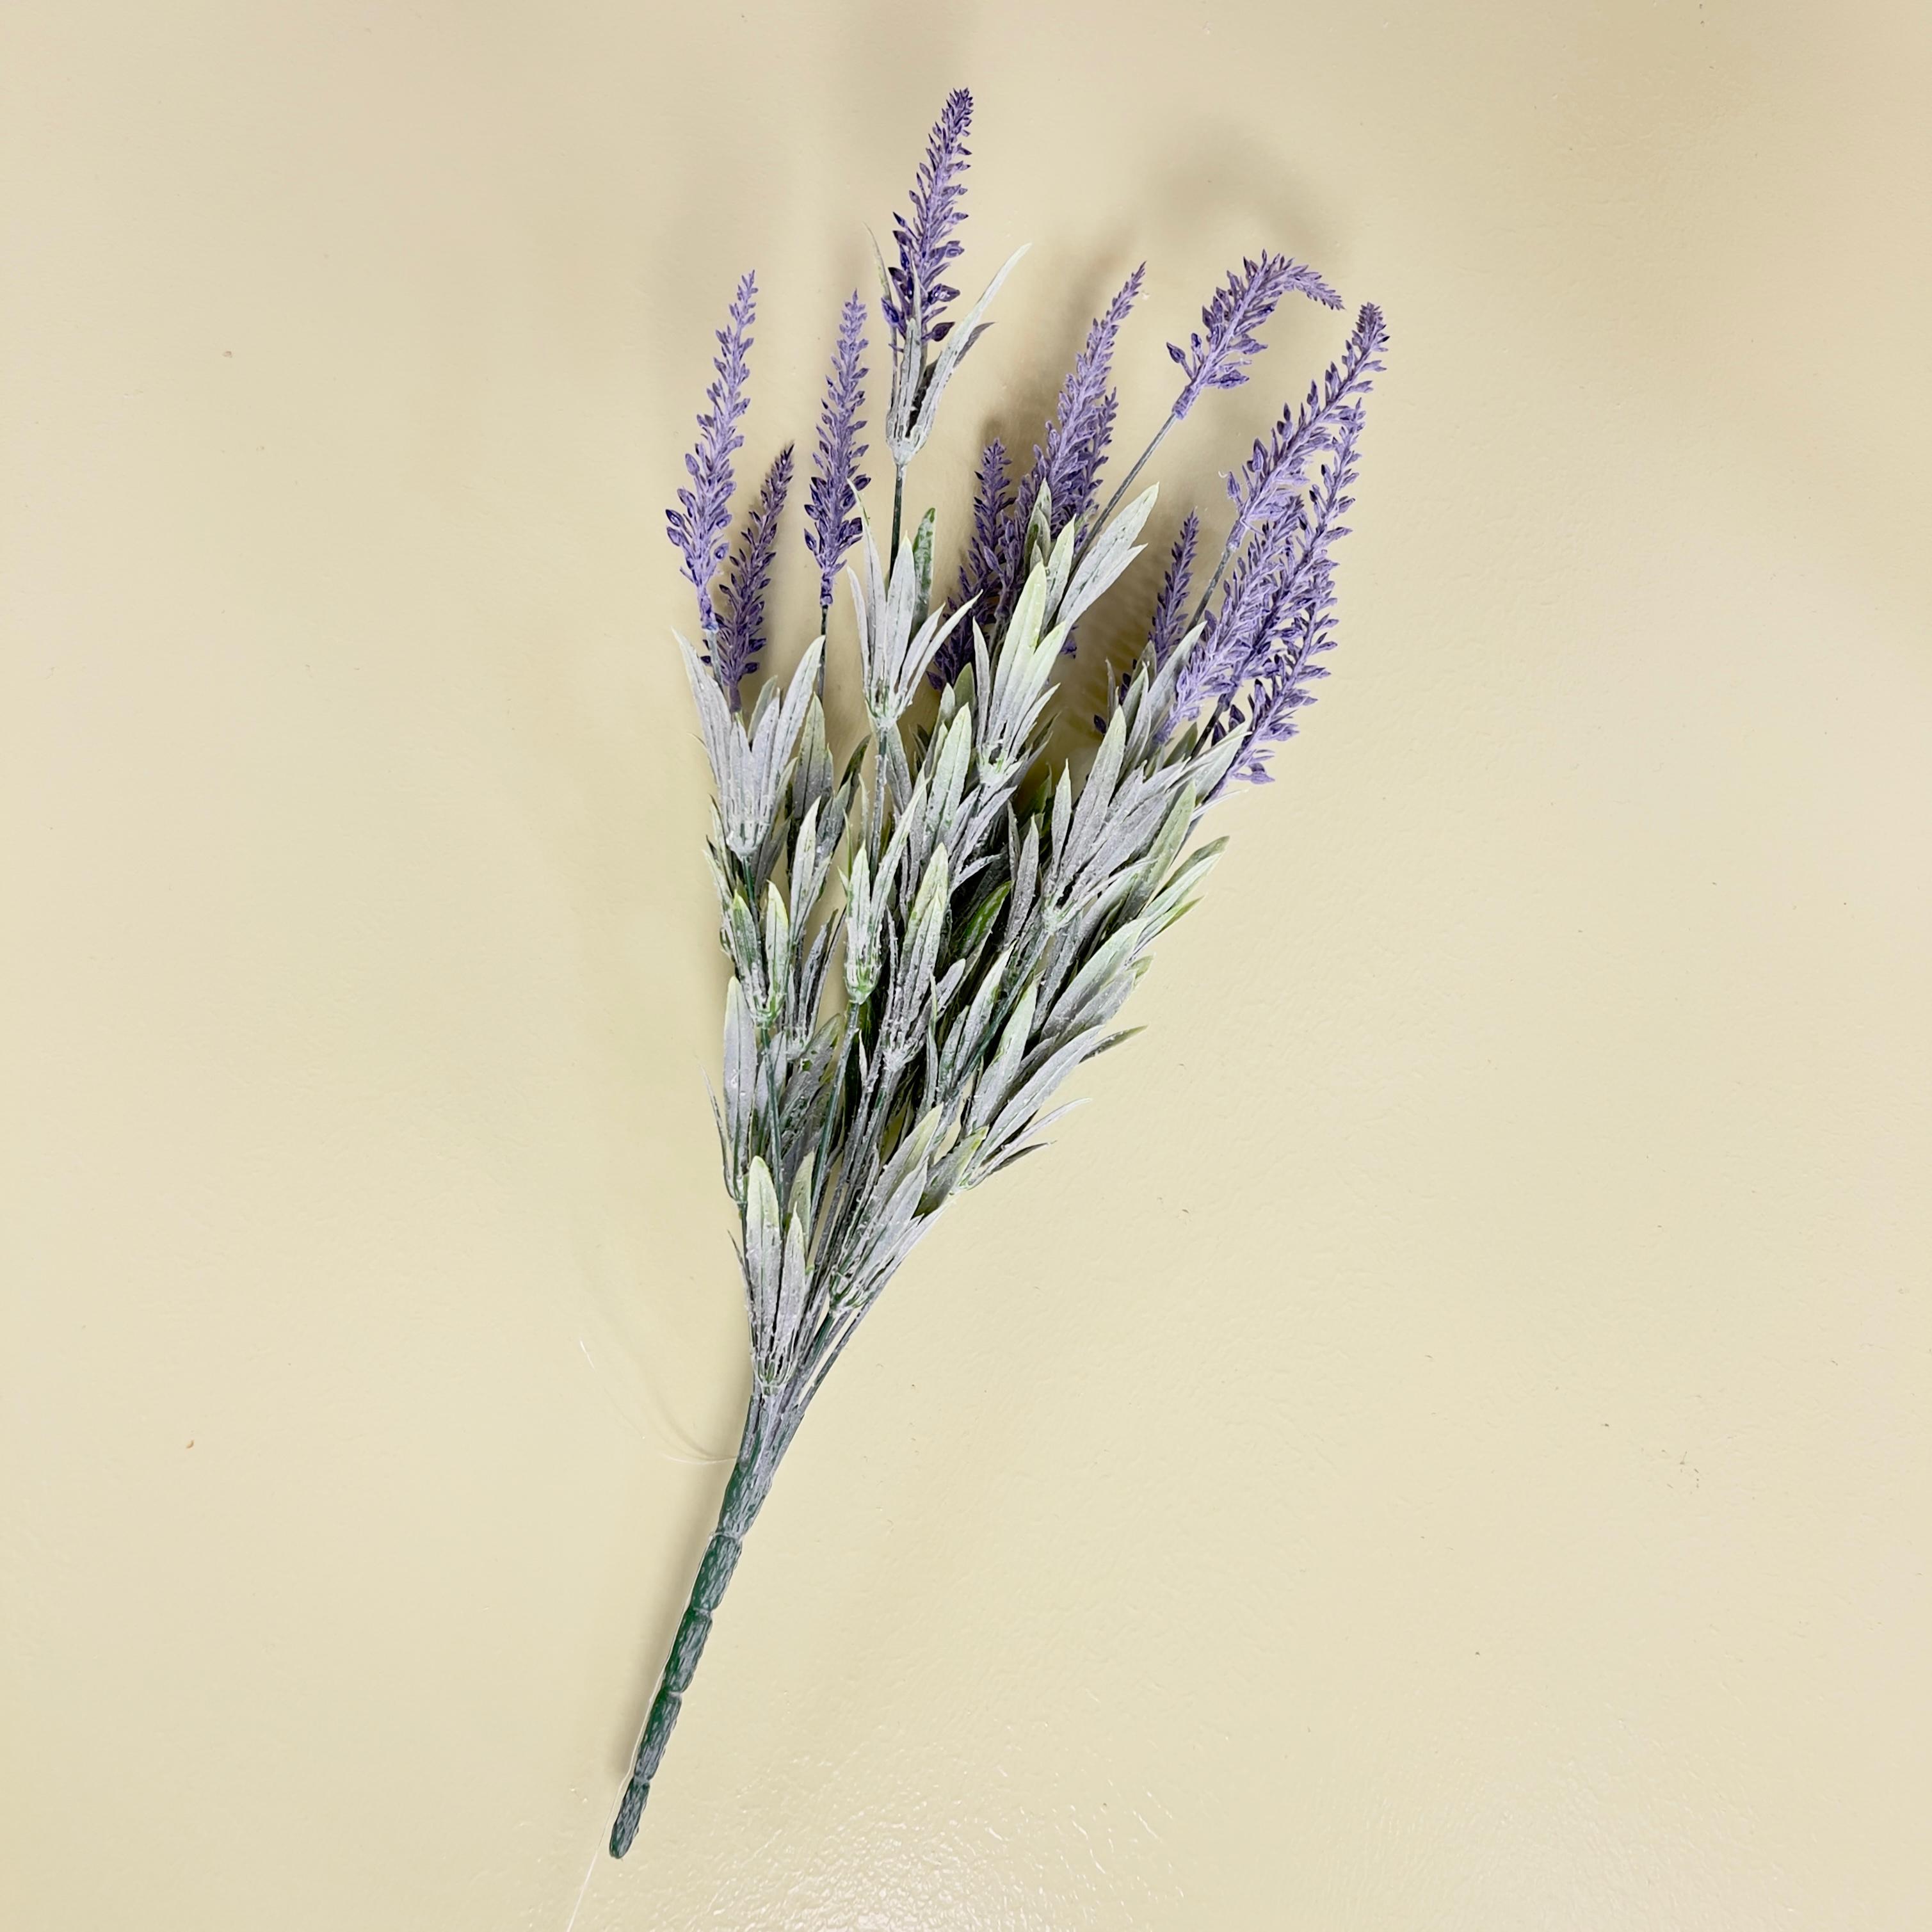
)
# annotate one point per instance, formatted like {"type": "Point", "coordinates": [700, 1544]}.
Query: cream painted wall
{"type": "Point", "coordinates": [1441, 1443]}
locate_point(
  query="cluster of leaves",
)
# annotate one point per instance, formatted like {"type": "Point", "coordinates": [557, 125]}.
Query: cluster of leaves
{"type": "Point", "coordinates": [991, 924]}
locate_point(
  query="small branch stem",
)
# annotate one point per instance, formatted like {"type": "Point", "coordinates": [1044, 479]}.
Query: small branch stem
{"type": "Point", "coordinates": [1125, 484]}
{"type": "Point", "coordinates": [1237, 535]}
{"type": "Point", "coordinates": [763, 1444]}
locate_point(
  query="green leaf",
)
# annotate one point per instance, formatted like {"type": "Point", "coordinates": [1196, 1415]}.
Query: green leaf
{"type": "Point", "coordinates": [922, 559]}
{"type": "Point", "coordinates": [972, 934]}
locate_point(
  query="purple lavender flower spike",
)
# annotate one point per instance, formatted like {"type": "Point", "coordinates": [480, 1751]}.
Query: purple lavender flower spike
{"type": "Point", "coordinates": [1170, 609]}
{"type": "Point", "coordinates": [986, 564]}
{"type": "Point", "coordinates": [1225, 658]}
{"type": "Point", "coordinates": [1275, 476]}
{"type": "Point", "coordinates": [1253, 670]}
{"type": "Point", "coordinates": [992, 504]}
{"type": "Point", "coordinates": [1309, 630]}
{"type": "Point", "coordinates": [1275, 468]}
{"type": "Point", "coordinates": [1168, 624]}
{"type": "Point", "coordinates": [701, 527]}
{"type": "Point", "coordinates": [832, 504]}
{"type": "Point", "coordinates": [1077, 439]}
{"type": "Point", "coordinates": [926, 238]}
{"type": "Point", "coordinates": [741, 633]}
{"type": "Point", "coordinates": [1260, 601]}
{"type": "Point", "coordinates": [1236, 309]}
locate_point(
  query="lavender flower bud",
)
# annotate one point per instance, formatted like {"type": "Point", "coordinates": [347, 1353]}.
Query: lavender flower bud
{"type": "Point", "coordinates": [1170, 611]}
{"type": "Point", "coordinates": [1069, 467]}
{"type": "Point", "coordinates": [701, 527]}
{"type": "Point", "coordinates": [1236, 310]}
{"type": "Point", "coordinates": [926, 238]}
{"type": "Point", "coordinates": [741, 632]}
{"type": "Point", "coordinates": [989, 564]}
{"type": "Point", "coordinates": [832, 520]}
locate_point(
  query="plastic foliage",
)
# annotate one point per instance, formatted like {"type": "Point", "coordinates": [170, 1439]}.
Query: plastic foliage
{"type": "Point", "coordinates": [925, 943]}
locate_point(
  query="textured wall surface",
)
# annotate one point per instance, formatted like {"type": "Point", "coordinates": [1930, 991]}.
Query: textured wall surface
{"type": "Point", "coordinates": [1442, 1442]}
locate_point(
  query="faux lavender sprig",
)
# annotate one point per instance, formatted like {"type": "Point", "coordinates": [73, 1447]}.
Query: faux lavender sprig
{"type": "Point", "coordinates": [832, 503]}
{"type": "Point", "coordinates": [1234, 640]}
{"type": "Point", "coordinates": [1247, 674]}
{"type": "Point", "coordinates": [1276, 474]}
{"type": "Point", "coordinates": [741, 629]}
{"type": "Point", "coordinates": [701, 527]}
{"type": "Point", "coordinates": [898, 1037]}
{"type": "Point", "coordinates": [915, 302]}
{"type": "Point", "coordinates": [1236, 309]}
{"type": "Point", "coordinates": [1065, 475]}
{"type": "Point", "coordinates": [1068, 468]}
{"type": "Point", "coordinates": [989, 562]}
{"type": "Point", "coordinates": [1170, 609]}
{"type": "Point", "coordinates": [913, 298]}
{"type": "Point", "coordinates": [1305, 626]}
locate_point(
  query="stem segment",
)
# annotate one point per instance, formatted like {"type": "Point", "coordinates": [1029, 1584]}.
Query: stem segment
{"type": "Point", "coordinates": [1125, 484]}
{"type": "Point", "coordinates": [758, 1453]}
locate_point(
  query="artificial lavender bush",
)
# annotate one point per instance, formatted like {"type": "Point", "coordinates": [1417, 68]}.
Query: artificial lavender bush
{"type": "Point", "coordinates": [890, 1044]}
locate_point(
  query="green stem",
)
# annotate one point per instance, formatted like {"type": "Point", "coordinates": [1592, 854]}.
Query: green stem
{"type": "Point", "coordinates": [1239, 533]}
{"type": "Point", "coordinates": [822, 1161]}
{"type": "Point", "coordinates": [758, 1453]}
{"type": "Point", "coordinates": [1125, 484]}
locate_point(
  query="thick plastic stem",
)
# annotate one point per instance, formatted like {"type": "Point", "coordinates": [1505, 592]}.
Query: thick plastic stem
{"type": "Point", "coordinates": [751, 1481]}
